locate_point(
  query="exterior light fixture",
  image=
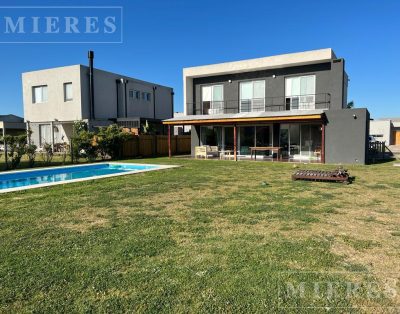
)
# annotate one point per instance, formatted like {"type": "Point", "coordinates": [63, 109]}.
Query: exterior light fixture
{"type": "Point", "coordinates": [273, 76]}
{"type": "Point", "coordinates": [230, 81]}
{"type": "Point", "coordinates": [354, 116]}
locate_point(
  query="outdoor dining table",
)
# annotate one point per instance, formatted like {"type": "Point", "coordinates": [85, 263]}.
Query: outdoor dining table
{"type": "Point", "coordinates": [254, 150]}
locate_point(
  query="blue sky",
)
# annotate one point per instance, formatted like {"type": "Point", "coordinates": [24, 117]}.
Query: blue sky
{"type": "Point", "coordinates": [162, 37]}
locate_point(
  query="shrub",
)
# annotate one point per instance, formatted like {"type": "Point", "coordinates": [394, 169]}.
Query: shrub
{"type": "Point", "coordinates": [109, 140]}
{"type": "Point", "coordinates": [47, 153]}
{"type": "Point", "coordinates": [15, 149]}
{"type": "Point", "coordinates": [30, 151]}
{"type": "Point", "coordinates": [83, 145]}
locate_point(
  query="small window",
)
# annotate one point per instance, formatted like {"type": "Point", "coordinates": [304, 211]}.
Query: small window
{"type": "Point", "coordinates": [131, 93]}
{"type": "Point", "coordinates": [143, 95]}
{"type": "Point", "coordinates": [137, 94]}
{"type": "Point", "coordinates": [67, 91]}
{"type": "Point", "coordinates": [39, 94]}
{"type": "Point", "coordinates": [148, 96]}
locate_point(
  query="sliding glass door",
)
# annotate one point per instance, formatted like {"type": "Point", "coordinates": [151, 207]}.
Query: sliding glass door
{"type": "Point", "coordinates": [301, 141]}
{"type": "Point", "coordinates": [212, 99]}
{"type": "Point", "coordinates": [252, 96]}
{"type": "Point", "coordinates": [300, 92]}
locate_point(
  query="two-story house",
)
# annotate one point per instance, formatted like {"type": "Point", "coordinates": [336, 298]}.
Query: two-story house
{"type": "Point", "coordinates": [286, 107]}
{"type": "Point", "coordinates": [55, 98]}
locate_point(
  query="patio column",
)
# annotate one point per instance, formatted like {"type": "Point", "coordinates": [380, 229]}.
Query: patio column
{"type": "Point", "coordinates": [52, 134]}
{"type": "Point", "coordinates": [5, 145]}
{"type": "Point", "coordinates": [234, 143]}
{"type": "Point", "coordinates": [323, 143]}
{"type": "Point", "coordinates": [169, 141]}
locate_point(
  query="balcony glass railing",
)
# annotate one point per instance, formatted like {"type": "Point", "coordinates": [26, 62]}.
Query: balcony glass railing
{"type": "Point", "coordinates": [293, 102]}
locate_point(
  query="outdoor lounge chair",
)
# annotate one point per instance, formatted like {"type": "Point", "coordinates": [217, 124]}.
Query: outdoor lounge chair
{"type": "Point", "coordinates": [205, 151]}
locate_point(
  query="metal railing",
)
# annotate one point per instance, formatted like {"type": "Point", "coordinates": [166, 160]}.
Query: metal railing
{"type": "Point", "coordinates": [294, 102]}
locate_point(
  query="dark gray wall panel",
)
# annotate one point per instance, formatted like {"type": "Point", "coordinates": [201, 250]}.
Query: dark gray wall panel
{"type": "Point", "coordinates": [346, 136]}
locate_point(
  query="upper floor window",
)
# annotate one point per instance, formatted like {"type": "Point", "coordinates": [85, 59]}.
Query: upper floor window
{"type": "Point", "coordinates": [68, 92]}
{"type": "Point", "coordinates": [131, 93]}
{"type": "Point", "coordinates": [212, 99]}
{"type": "Point", "coordinates": [143, 95]}
{"type": "Point", "coordinates": [252, 96]}
{"type": "Point", "coordinates": [137, 94]}
{"type": "Point", "coordinates": [300, 92]}
{"type": "Point", "coordinates": [148, 96]}
{"type": "Point", "coordinates": [39, 94]}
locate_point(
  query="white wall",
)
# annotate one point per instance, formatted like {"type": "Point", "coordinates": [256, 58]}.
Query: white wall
{"type": "Point", "coordinates": [55, 107]}
{"type": "Point", "coordinates": [381, 127]}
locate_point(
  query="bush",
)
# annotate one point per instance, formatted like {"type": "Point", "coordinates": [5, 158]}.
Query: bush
{"type": "Point", "coordinates": [47, 153]}
{"type": "Point", "coordinates": [109, 141]}
{"type": "Point", "coordinates": [30, 151]}
{"type": "Point", "coordinates": [83, 142]}
{"type": "Point", "coordinates": [16, 146]}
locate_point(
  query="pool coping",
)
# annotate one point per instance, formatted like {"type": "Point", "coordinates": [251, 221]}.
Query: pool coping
{"type": "Point", "coordinates": [41, 185]}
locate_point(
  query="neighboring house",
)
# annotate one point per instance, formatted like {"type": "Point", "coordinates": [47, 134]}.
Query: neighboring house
{"type": "Point", "coordinates": [55, 98]}
{"type": "Point", "coordinates": [11, 125]}
{"type": "Point", "coordinates": [294, 104]}
{"type": "Point", "coordinates": [387, 130]}
{"type": "Point", "coordinates": [181, 129]}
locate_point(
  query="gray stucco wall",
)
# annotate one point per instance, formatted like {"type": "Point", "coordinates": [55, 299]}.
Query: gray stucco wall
{"type": "Point", "coordinates": [346, 136]}
{"type": "Point", "coordinates": [105, 89]}
{"type": "Point", "coordinates": [329, 79]}
{"type": "Point", "coordinates": [195, 137]}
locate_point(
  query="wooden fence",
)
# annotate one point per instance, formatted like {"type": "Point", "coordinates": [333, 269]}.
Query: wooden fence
{"type": "Point", "coordinates": [156, 145]}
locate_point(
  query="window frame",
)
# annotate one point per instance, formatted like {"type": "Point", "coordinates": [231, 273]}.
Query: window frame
{"type": "Point", "coordinates": [252, 102]}
{"type": "Point", "coordinates": [34, 100]}
{"type": "Point", "coordinates": [65, 92]}
{"type": "Point", "coordinates": [220, 103]}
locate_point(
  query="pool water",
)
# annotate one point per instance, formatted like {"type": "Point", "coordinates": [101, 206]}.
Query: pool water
{"type": "Point", "coordinates": [47, 176]}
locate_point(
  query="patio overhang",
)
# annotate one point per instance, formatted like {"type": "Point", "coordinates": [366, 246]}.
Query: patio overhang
{"type": "Point", "coordinates": [250, 117]}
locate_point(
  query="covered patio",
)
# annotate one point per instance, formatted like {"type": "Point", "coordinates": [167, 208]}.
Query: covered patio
{"type": "Point", "coordinates": [271, 136]}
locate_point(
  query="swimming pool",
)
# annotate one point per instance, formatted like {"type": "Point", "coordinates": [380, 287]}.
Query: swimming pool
{"type": "Point", "coordinates": [27, 179]}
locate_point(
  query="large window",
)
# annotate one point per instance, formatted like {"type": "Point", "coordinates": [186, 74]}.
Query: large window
{"type": "Point", "coordinates": [39, 94]}
{"type": "Point", "coordinates": [300, 92]}
{"type": "Point", "coordinates": [68, 92]}
{"type": "Point", "coordinates": [247, 140]}
{"type": "Point", "coordinates": [212, 99]}
{"type": "Point", "coordinates": [211, 135]}
{"type": "Point", "coordinates": [301, 141]}
{"type": "Point", "coordinates": [252, 96]}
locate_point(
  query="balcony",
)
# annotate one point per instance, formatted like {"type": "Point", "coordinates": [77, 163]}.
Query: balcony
{"type": "Point", "coordinates": [294, 102]}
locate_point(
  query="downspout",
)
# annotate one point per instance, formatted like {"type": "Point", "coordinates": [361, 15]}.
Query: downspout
{"type": "Point", "coordinates": [91, 85]}
{"type": "Point", "coordinates": [117, 86]}
{"type": "Point", "coordinates": [126, 99]}
{"type": "Point", "coordinates": [154, 102]}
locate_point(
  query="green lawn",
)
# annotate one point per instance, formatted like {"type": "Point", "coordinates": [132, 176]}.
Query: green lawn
{"type": "Point", "coordinates": [211, 236]}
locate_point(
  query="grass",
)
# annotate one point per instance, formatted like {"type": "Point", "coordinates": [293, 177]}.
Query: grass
{"type": "Point", "coordinates": [211, 236]}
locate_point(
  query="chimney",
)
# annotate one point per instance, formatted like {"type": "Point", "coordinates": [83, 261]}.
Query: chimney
{"type": "Point", "coordinates": [91, 85]}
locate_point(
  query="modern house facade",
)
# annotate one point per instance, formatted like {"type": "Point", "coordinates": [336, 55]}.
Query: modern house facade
{"type": "Point", "coordinates": [55, 98]}
{"type": "Point", "coordinates": [287, 107]}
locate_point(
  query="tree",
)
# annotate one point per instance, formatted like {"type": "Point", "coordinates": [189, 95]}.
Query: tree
{"type": "Point", "coordinates": [109, 141]}
{"type": "Point", "coordinates": [16, 147]}
{"type": "Point", "coordinates": [350, 105]}
{"type": "Point", "coordinates": [83, 144]}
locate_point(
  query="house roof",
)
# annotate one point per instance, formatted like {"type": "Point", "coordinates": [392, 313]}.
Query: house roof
{"type": "Point", "coordinates": [11, 118]}
{"type": "Point", "coordinates": [278, 61]}
{"type": "Point", "coordinates": [262, 116]}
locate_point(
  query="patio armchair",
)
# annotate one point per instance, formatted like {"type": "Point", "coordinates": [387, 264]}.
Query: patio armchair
{"type": "Point", "coordinates": [205, 151]}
